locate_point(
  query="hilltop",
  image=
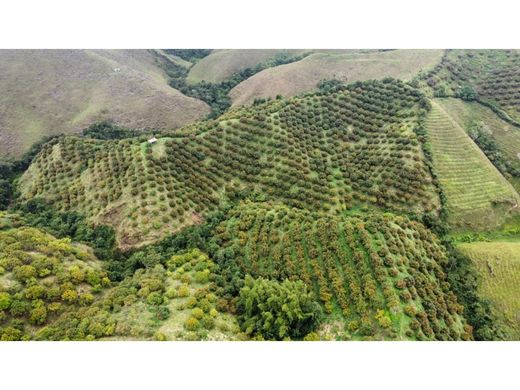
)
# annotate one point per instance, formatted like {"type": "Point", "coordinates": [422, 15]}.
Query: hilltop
{"type": "Point", "coordinates": [49, 92]}
{"type": "Point", "coordinates": [353, 146]}
{"type": "Point", "coordinates": [305, 74]}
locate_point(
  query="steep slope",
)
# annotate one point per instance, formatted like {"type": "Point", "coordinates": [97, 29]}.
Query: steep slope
{"type": "Point", "coordinates": [498, 263]}
{"type": "Point", "coordinates": [48, 92]}
{"type": "Point", "coordinates": [304, 75]}
{"type": "Point", "coordinates": [380, 273]}
{"type": "Point", "coordinates": [478, 196]}
{"type": "Point", "coordinates": [352, 147]}
{"type": "Point", "coordinates": [496, 137]}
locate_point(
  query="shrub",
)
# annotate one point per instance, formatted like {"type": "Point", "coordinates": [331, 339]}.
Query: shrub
{"type": "Point", "coordinates": [192, 323]}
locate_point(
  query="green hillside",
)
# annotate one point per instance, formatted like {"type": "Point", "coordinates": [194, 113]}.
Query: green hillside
{"type": "Point", "coordinates": [43, 278]}
{"type": "Point", "coordinates": [52, 289]}
{"type": "Point", "coordinates": [352, 146]}
{"type": "Point", "coordinates": [477, 195]}
{"type": "Point", "coordinates": [498, 263]}
{"type": "Point", "coordinates": [381, 274]}
{"type": "Point", "coordinates": [498, 139]}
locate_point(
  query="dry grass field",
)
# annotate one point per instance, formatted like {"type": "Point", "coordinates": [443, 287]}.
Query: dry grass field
{"type": "Point", "coordinates": [294, 78]}
{"type": "Point", "coordinates": [47, 92]}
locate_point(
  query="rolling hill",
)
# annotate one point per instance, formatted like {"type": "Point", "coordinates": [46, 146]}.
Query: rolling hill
{"type": "Point", "coordinates": [221, 64]}
{"type": "Point", "coordinates": [304, 75]}
{"type": "Point", "coordinates": [477, 195]}
{"type": "Point", "coordinates": [49, 92]}
{"type": "Point", "coordinates": [352, 147]}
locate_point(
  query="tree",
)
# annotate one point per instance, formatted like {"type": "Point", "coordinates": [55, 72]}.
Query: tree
{"type": "Point", "coordinates": [466, 93]}
{"type": "Point", "coordinates": [5, 300]}
{"type": "Point", "coordinates": [277, 310]}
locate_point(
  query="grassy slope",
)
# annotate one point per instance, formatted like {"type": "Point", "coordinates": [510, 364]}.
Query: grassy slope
{"type": "Point", "coordinates": [356, 266]}
{"type": "Point", "coordinates": [300, 76]}
{"type": "Point", "coordinates": [47, 92]}
{"type": "Point", "coordinates": [478, 196]}
{"type": "Point", "coordinates": [330, 152]}
{"type": "Point", "coordinates": [499, 266]}
{"type": "Point", "coordinates": [221, 64]}
{"type": "Point", "coordinates": [467, 114]}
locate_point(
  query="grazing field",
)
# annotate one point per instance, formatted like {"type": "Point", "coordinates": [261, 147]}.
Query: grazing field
{"type": "Point", "coordinates": [381, 274]}
{"type": "Point", "coordinates": [485, 127]}
{"type": "Point", "coordinates": [49, 92]}
{"type": "Point", "coordinates": [478, 196]}
{"type": "Point", "coordinates": [499, 266]}
{"type": "Point", "coordinates": [331, 151]}
{"type": "Point", "coordinates": [304, 75]}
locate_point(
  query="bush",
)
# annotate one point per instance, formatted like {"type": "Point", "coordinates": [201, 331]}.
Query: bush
{"type": "Point", "coordinates": [192, 323]}
{"type": "Point", "coordinates": [276, 310]}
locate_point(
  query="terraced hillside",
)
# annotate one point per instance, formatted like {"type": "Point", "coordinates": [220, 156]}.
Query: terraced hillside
{"type": "Point", "coordinates": [380, 273]}
{"type": "Point", "coordinates": [331, 151]}
{"type": "Point", "coordinates": [49, 92]}
{"type": "Point", "coordinates": [494, 75]}
{"type": "Point", "coordinates": [304, 75]}
{"type": "Point", "coordinates": [499, 266]}
{"type": "Point", "coordinates": [498, 139]}
{"type": "Point", "coordinates": [477, 195]}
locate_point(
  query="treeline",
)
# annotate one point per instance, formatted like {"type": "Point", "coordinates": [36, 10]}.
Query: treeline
{"type": "Point", "coordinates": [107, 130]}
{"type": "Point", "coordinates": [216, 94]}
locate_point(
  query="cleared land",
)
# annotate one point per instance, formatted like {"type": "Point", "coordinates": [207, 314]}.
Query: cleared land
{"type": "Point", "coordinates": [48, 92]}
{"type": "Point", "coordinates": [478, 196]}
{"type": "Point", "coordinates": [499, 266]}
{"type": "Point", "coordinates": [304, 75]}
